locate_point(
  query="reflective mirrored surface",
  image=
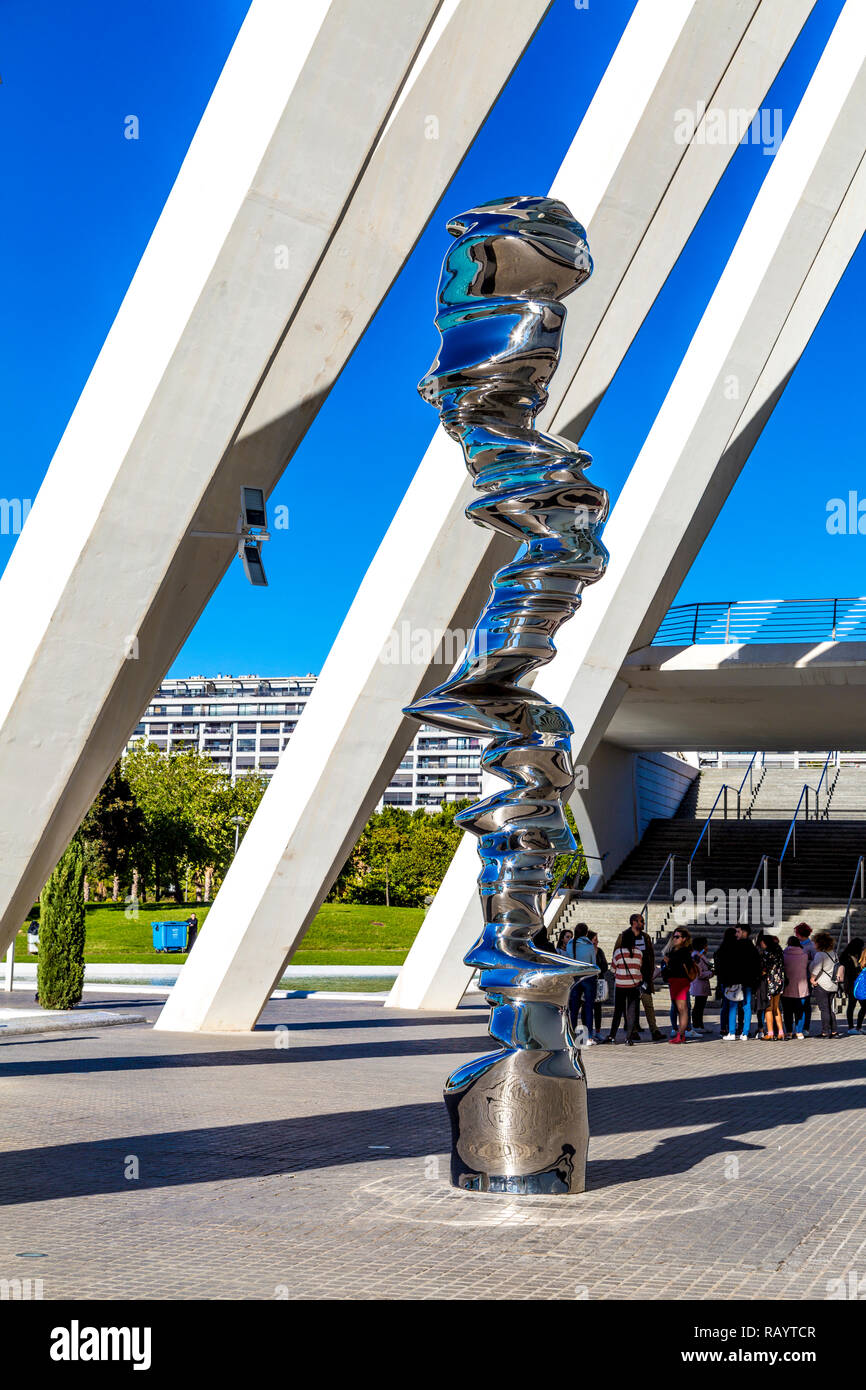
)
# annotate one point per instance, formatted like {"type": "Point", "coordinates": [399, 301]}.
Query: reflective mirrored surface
{"type": "Point", "coordinates": [518, 1116]}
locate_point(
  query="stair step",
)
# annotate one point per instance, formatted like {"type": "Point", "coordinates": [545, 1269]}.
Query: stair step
{"type": "Point", "coordinates": [819, 863]}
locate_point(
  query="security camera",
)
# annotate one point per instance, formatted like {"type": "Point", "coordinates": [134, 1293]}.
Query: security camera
{"type": "Point", "coordinates": [253, 511]}
{"type": "Point", "coordinates": [251, 554]}
{"type": "Point", "coordinates": [250, 532]}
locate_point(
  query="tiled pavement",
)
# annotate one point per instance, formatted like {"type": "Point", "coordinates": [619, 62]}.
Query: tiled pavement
{"type": "Point", "coordinates": [318, 1169]}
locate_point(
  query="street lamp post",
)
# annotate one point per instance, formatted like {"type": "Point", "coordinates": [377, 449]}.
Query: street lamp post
{"type": "Point", "coordinates": [237, 822]}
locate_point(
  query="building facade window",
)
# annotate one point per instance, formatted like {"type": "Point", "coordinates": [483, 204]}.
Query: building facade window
{"type": "Point", "coordinates": [233, 721]}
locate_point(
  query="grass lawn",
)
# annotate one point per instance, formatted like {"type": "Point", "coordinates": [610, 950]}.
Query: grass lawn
{"type": "Point", "coordinates": [342, 934]}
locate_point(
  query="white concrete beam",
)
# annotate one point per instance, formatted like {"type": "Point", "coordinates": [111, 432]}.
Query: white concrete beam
{"type": "Point", "coordinates": [800, 234]}
{"type": "Point", "coordinates": [432, 570]}
{"type": "Point", "coordinates": [788, 694]}
{"type": "Point", "coordinates": [201, 384]}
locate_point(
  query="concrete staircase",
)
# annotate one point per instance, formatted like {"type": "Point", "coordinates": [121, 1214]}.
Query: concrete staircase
{"type": "Point", "coordinates": [816, 879]}
{"type": "Point", "coordinates": [701, 795]}
{"type": "Point", "coordinates": [729, 855]}
{"type": "Point", "coordinates": [774, 791]}
{"type": "Point", "coordinates": [782, 787]}
{"type": "Point", "coordinates": [848, 795]}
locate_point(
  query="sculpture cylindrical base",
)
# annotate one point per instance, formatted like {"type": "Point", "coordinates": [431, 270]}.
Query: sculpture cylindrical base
{"type": "Point", "coordinates": [519, 1124]}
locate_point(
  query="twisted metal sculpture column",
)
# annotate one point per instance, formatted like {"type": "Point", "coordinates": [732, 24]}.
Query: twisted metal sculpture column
{"type": "Point", "coordinates": [518, 1115]}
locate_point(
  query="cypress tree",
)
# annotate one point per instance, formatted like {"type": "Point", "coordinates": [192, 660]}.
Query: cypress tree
{"type": "Point", "coordinates": [60, 969]}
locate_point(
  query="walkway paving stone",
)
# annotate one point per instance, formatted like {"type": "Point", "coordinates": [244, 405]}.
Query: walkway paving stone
{"type": "Point", "coordinates": [309, 1160]}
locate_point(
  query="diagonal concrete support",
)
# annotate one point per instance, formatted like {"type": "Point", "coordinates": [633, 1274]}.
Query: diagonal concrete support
{"type": "Point", "coordinates": [641, 194]}
{"type": "Point", "coordinates": [217, 363]}
{"type": "Point", "coordinates": [803, 229]}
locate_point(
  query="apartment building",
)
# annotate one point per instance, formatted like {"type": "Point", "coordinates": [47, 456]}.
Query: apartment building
{"type": "Point", "coordinates": [244, 722]}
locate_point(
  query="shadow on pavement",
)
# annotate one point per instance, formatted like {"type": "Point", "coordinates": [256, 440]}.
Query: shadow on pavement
{"type": "Point", "coordinates": [182, 1157]}
{"type": "Point", "coordinates": [254, 1056]}
{"type": "Point", "coordinates": [727, 1105]}
{"type": "Point", "coordinates": [410, 1021]}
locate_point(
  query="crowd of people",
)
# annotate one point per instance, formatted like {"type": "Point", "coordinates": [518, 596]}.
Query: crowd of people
{"type": "Point", "coordinates": [751, 976]}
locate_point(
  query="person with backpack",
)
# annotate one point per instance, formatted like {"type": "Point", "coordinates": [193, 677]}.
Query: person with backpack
{"type": "Point", "coordinates": [749, 972]}
{"type": "Point", "coordinates": [699, 989]}
{"type": "Point", "coordinates": [804, 932]}
{"type": "Point", "coordinates": [796, 989]}
{"type": "Point", "coordinates": [582, 996]}
{"type": "Point", "coordinates": [681, 970]}
{"type": "Point", "coordinates": [603, 984]}
{"type": "Point", "coordinates": [826, 975]}
{"type": "Point", "coordinates": [724, 961]}
{"type": "Point", "coordinates": [738, 965]}
{"type": "Point", "coordinates": [648, 969]}
{"type": "Point", "coordinates": [626, 963]}
{"type": "Point", "coordinates": [859, 991]}
{"type": "Point", "coordinates": [850, 958]}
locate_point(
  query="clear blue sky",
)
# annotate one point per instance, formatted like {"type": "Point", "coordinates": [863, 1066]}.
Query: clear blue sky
{"type": "Point", "coordinates": [81, 202]}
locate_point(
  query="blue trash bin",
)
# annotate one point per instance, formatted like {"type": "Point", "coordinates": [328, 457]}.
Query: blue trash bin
{"type": "Point", "coordinates": [169, 936]}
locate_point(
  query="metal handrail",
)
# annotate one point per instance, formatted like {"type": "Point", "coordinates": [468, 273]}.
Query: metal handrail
{"type": "Point", "coordinates": [668, 864]}
{"type": "Point", "coordinates": [858, 873]}
{"type": "Point", "coordinates": [724, 788]}
{"type": "Point", "coordinates": [792, 828]}
{"type": "Point", "coordinates": [578, 854]}
{"type": "Point", "coordinates": [747, 773]}
{"type": "Point", "coordinates": [763, 862]}
{"type": "Point", "coordinates": [818, 788]}
{"type": "Point", "coordinates": [743, 621]}
{"type": "Point", "coordinates": [722, 792]}
{"type": "Point", "coordinates": [567, 894]}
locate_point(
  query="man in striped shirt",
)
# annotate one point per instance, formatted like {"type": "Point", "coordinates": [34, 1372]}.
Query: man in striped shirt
{"type": "Point", "coordinates": [626, 963]}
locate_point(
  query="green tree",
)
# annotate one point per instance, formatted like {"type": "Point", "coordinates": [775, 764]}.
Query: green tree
{"type": "Point", "coordinates": [60, 967]}
{"type": "Point", "coordinates": [400, 857]}
{"type": "Point", "coordinates": [168, 790]}
{"type": "Point", "coordinates": [572, 865]}
{"type": "Point", "coordinates": [403, 857]}
{"type": "Point", "coordinates": [244, 798]}
{"type": "Point", "coordinates": [113, 828]}
{"type": "Point", "coordinates": [187, 805]}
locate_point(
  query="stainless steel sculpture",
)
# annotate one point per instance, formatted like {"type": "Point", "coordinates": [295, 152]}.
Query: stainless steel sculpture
{"type": "Point", "coordinates": [518, 1116]}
